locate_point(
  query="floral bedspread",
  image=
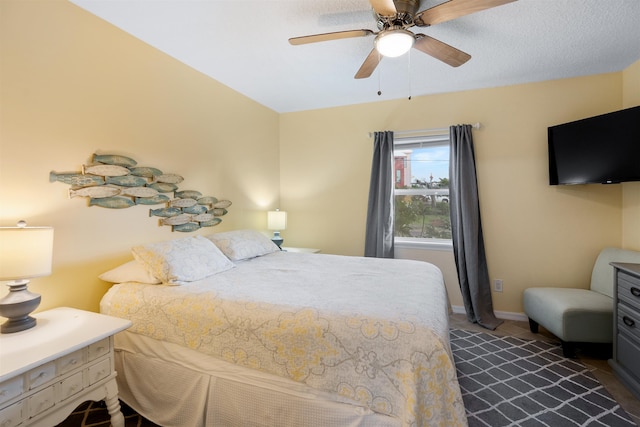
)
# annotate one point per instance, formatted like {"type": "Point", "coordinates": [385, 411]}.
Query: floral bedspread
{"type": "Point", "coordinates": [371, 330]}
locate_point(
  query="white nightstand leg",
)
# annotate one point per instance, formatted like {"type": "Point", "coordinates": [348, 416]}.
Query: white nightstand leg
{"type": "Point", "coordinates": [113, 404]}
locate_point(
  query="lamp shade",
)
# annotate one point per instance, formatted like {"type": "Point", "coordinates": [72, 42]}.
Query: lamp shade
{"type": "Point", "coordinates": [25, 252]}
{"type": "Point", "coordinates": [394, 43]}
{"type": "Point", "coordinates": [276, 220]}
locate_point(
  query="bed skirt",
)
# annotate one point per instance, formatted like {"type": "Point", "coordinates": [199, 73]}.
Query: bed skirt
{"type": "Point", "coordinates": [177, 387]}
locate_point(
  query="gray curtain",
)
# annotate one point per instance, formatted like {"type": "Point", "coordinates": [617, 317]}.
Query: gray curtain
{"type": "Point", "coordinates": [380, 210]}
{"type": "Point", "coordinates": [466, 228]}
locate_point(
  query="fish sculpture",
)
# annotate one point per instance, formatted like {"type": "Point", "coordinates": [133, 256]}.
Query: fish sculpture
{"type": "Point", "coordinates": [182, 203]}
{"type": "Point", "coordinates": [139, 192]}
{"type": "Point", "coordinates": [176, 220]}
{"type": "Point", "coordinates": [116, 182]}
{"type": "Point", "coordinates": [188, 194]}
{"type": "Point", "coordinates": [75, 179]}
{"type": "Point", "coordinates": [218, 211]}
{"type": "Point", "coordinates": [126, 181]}
{"type": "Point", "coordinates": [112, 202]}
{"type": "Point", "coordinates": [114, 159]}
{"type": "Point", "coordinates": [105, 170]}
{"type": "Point", "coordinates": [211, 223]}
{"type": "Point", "coordinates": [95, 192]}
{"type": "Point", "coordinates": [202, 217]}
{"type": "Point", "coordinates": [155, 200]}
{"type": "Point", "coordinates": [189, 226]}
{"type": "Point", "coordinates": [163, 187]}
{"type": "Point", "coordinates": [145, 172]}
{"type": "Point", "coordinates": [169, 178]}
{"type": "Point", "coordinates": [222, 204]}
{"type": "Point", "coordinates": [195, 209]}
{"type": "Point", "coordinates": [165, 212]}
{"type": "Point", "coordinates": [207, 200]}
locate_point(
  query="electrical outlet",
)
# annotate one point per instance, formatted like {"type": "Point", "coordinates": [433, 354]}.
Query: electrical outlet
{"type": "Point", "coordinates": [497, 285]}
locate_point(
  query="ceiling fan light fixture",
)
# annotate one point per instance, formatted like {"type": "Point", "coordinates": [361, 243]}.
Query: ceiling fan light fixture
{"type": "Point", "coordinates": [394, 43]}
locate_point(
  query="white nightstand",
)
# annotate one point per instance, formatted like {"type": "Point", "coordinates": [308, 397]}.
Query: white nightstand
{"type": "Point", "coordinates": [304, 250]}
{"type": "Point", "coordinates": [66, 359]}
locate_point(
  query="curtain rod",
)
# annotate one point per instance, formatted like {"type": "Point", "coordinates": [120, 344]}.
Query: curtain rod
{"type": "Point", "coordinates": [408, 132]}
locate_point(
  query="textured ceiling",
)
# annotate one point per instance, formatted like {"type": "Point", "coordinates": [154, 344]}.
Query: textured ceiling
{"type": "Point", "coordinates": [243, 44]}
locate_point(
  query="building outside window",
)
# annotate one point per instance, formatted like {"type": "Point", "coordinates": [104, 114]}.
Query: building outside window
{"type": "Point", "coordinates": [422, 189]}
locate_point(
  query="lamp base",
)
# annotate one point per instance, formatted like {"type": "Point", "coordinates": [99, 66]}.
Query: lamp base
{"type": "Point", "coordinates": [277, 239]}
{"type": "Point", "coordinates": [16, 307]}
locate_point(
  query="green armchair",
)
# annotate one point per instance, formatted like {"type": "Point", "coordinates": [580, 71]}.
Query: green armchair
{"type": "Point", "coordinates": [579, 315]}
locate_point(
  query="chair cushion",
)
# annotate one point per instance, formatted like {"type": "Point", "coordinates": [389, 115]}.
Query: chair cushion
{"type": "Point", "coordinates": [573, 315]}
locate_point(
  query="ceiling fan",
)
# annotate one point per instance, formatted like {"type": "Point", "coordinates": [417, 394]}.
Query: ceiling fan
{"type": "Point", "coordinates": [394, 18]}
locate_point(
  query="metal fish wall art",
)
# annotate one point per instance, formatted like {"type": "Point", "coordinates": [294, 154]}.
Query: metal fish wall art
{"type": "Point", "coordinates": [75, 179]}
{"type": "Point", "coordinates": [114, 181]}
{"type": "Point", "coordinates": [145, 172]}
{"type": "Point", "coordinates": [95, 192]}
{"type": "Point", "coordinates": [114, 159]}
{"type": "Point", "coordinates": [105, 170]}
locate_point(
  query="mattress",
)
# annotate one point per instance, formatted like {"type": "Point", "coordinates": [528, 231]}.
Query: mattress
{"type": "Point", "coordinates": [373, 332]}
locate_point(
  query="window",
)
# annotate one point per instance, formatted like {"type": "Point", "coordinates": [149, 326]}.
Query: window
{"type": "Point", "coordinates": [422, 189]}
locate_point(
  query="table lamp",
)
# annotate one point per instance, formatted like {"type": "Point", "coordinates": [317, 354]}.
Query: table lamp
{"type": "Point", "coordinates": [25, 252]}
{"type": "Point", "coordinates": [277, 221]}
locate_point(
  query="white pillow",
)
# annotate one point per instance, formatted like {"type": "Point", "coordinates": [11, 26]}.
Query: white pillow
{"type": "Point", "coordinates": [131, 271]}
{"type": "Point", "coordinates": [243, 244]}
{"type": "Point", "coordinates": [182, 260]}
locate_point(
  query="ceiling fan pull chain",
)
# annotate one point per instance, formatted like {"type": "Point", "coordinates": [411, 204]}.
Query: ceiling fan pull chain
{"type": "Point", "coordinates": [379, 73]}
{"type": "Point", "coordinates": [409, 73]}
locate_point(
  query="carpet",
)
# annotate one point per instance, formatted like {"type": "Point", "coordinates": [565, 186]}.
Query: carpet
{"type": "Point", "coordinates": [507, 381]}
{"type": "Point", "coordinates": [94, 414]}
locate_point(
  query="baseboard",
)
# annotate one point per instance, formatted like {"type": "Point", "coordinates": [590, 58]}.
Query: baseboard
{"type": "Point", "coordinates": [507, 315]}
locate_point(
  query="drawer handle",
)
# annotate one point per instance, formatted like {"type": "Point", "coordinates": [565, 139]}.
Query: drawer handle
{"type": "Point", "coordinates": [72, 362]}
{"type": "Point", "coordinates": [40, 376]}
{"type": "Point", "coordinates": [635, 291]}
{"type": "Point", "coordinates": [628, 321]}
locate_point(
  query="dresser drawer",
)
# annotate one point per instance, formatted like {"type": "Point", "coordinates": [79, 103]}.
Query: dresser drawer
{"type": "Point", "coordinates": [629, 290]}
{"type": "Point", "coordinates": [628, 351]}
{"type": "Point", "coordinates": [71, 361]}
{"type": "Point", "coordinates": [629, 322]}
{"type": "Point", "coordinates": [40, 401]}
{"type": "Point", "coordinates": [99, 348]}
{"type": "Point", "coordinates": [13, 415]}
{"type": "Point", "coordinates": [41, 375]}
{"type": "Point", "coordinates": [11, 388]}
{"type": "Point", "coordinates": [70, 386]}
{"type": "Point", "coordinates": [99, 371]}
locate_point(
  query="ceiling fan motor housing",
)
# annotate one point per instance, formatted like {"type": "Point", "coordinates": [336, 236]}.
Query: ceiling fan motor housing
{"type": "Point", "coordinates": [407, 6]}
{"type": "Point", "coordinates": [405, 10]}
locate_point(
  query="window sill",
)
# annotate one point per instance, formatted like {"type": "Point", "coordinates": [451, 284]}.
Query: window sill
{"type": "Point", "coordinates": [424, 244]}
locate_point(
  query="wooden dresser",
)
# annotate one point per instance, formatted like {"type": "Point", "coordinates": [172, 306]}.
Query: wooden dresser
{"type": "Point", "coordinates": [50, 369]}
{"type": "Point", "coordinates": [626, 325]}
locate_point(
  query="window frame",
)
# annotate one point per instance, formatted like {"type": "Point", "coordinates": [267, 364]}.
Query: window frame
{"type": "Point", "coordinates": [413, 142]}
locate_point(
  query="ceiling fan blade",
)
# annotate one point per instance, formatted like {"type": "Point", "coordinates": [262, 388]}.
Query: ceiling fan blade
{"type": "Point", "coordinates": [329, 36]}
{"type": "Point", "coordinates": [440, 50]}
{"type": "Point", "coordinates": [454, 9]}
{"type": "Point", "coordinates": [384, 7]}
{"type": "Point", "coordinates": [369, 65]}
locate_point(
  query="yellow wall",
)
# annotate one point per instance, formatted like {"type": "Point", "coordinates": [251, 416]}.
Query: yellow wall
{"type": "Point", "coordinates": [72, 85]}
{"type": "Point", "coordinates": [535, 234]}
{"type": "Point", "coordinates": [631, 190]}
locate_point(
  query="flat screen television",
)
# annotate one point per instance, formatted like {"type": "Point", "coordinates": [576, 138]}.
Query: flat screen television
{"type": "Point", "coordinates": [603, 149]}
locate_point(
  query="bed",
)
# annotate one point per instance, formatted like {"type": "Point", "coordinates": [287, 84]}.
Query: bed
{"type": "Point", "coordinates": [230, 331]}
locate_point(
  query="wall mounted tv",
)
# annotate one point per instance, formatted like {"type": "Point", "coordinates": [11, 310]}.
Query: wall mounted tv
{"type": "Point", "coordinates": [603, 149]}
